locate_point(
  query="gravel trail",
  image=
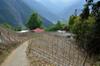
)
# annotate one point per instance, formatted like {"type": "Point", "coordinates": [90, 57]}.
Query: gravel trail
{"type": "Point", "coordinates": [17, 57]}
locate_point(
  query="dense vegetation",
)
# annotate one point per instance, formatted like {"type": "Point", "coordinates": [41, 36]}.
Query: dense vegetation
{"type": "Point", "coordinates": [57, 26]}
{"type": "Point", "coordinates": [9, 26]}
{"type": "Point", "coordinates": [34, 22]}
{"type": "Point", "coordinates": [86, 26]}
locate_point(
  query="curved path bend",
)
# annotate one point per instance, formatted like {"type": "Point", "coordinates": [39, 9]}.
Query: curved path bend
{"type": "Point", "coordinates": [17, 57]}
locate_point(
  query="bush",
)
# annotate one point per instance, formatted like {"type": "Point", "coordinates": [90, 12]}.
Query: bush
{"type": "Point", "coordinates": [87, 30]}
{"type": "Point", "coordinates": [57, 26]}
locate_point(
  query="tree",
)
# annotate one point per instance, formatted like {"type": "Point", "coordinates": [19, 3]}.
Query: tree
{"type": "Point", "coordinates": [87, 29]}
{"type": "Point", "coordinates": [34, 22]}
{"type": "Point", "coordinates": [17, 28]}
{"type": "Point", "coordinates": [71, 21]}
{"type": "Point", "coordinates": [11, 27]}
{"type": "Point", "coordinates": [86, 11]}
{"type": "Point", "coordinates": [57, 26]}
{"type": "Point", "coordinates": [94, 42]}
{"type": "Point", "coordinates": [89, 2]}
{"type": "Point", "coordinates": [6, 25]}
{"type": "Point", "coordinates": [85, 14]}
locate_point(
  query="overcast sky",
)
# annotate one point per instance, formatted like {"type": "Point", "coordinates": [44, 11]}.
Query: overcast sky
{"type": "Point", "coordinates": [62, 8]}
{"type": "Point", "coordinates": [57, 5]}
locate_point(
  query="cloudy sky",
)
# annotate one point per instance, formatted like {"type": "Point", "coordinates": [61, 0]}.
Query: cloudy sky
{"type": "Point", "coordinates": [61, 8]}
{"type": "Point", "coordinates": [57, 5]}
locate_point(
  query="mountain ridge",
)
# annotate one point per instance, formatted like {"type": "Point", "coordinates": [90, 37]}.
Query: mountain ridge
{"type": "Point", "coordinates": [16, 12]}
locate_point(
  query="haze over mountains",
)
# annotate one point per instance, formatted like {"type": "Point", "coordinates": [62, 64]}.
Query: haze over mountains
{"type": "Point", "coordinates": [55, 10]}
{"type": "Point", "coordinates": [19, 11]}
{"type": "Point", "coordinates": [14, 11]}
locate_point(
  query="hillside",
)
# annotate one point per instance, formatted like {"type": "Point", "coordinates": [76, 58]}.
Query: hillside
{"type": "Point", "coordinates": [17, 12]}
{"type": "Point", "coordinates": [9, 40]}
{"type": "Point", "coordinates": [14, 11]}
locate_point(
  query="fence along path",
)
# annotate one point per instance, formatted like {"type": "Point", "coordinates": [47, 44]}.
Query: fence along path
{"type": "Point", "coordinates": [60, 51]}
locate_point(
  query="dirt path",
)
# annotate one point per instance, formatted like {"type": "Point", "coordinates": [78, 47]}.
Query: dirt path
{"type": "Point", "coordinates": [17, 57]}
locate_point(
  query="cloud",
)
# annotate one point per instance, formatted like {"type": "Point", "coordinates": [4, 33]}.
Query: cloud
{"type": "Point", "coordinates": [56, 6]}
{"type": "Point", "coordinates": [38, 0]}
{"type": "Point", "coordinates": [58, 1]}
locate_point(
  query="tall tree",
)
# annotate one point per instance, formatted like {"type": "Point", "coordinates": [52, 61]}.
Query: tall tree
{"type": "Point", "coordinates": [94, 42]}
{"type": "Point", "coordinates": [87, 30]}
{"type": "Point", "coordinates": [86, 11]}
{"type": "Point", "coordinates": [85, 14]}
{"type": "Point", "coordinates": [34, 21]}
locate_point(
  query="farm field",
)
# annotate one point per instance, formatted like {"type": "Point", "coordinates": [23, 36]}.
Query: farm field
{"type": "Point", "coordinates": [50, 49]}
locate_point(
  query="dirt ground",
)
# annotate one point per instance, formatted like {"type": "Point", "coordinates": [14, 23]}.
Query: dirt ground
{"type": "Point", "coordinates": [52, 50]}
{"type": "Point", "coordinates": [17, 57]}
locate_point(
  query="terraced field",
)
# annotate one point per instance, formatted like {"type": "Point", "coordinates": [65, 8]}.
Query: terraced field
{"type": "Point", "coordinates": [52, 50]}
{"type": "Point", "coordinates": [9, 40]}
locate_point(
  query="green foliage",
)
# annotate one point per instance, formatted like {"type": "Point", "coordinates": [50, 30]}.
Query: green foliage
{"type": "Point", "coordinates": [94, 41]}
{"type": "Point", "coordinates": [81, 26]}
{"type": "Point", "coordinates": [18, 28]}
{"type": "Point", "coordinates": [34, 22]}
{"type": "Point", "coordinates": [9, 26]}
{"type": "Point", "coordinates": [89, 2]}
{"type": "Point", "coordinates": [6, 25]}
{"type": "Point", "coordinates": [87, 29]}
{"type": "Point", "coordinates": [56, 27]}
{"type": "Point", "coordinates": [71, 21]}
{"type": "Point", "coordinates": [85, 13]}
